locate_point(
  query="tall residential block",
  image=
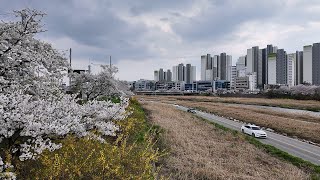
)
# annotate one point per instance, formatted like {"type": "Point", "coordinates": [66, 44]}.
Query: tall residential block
{"type": "Point", "coordinates": [241, 63]}
{"type": "Point", "coordinates": [188, 74]}
{"type": "Point", "coordinates": [209, 67]}
{"type": "Point", "coordinates": [193, 74]}
{"type": "Point", "coordinates": [161, 75]}
{"type": "Point", "coordinates": [183, 73]}
{"type": "Point", "coordinates": [269, 50]}
{"type": "Point", "coordinates": [250, 59]}
{"type": "Point", "coordinates": [272, 68]}
{"type": "Point", "coordinates": [254, 63]}
{"type": "Point", "coordinates": [307, 64]}
{"type": "Point", "coordinates": [215, 59]}
{"type": "Point", "coordinates": [233, 77]}
{"type": "Point", "coordinates": [258, 68]}
{"type": "Point", "coordinates": [229, 68]}
{"type": "Point", "coordinates": [222, 73]}
{"type": "Point", "coordinates": [299, 67]}
{"type": "Point", "coordinates": [316, 64]}
{"type": "Point", "coordinates": [281, 66]}
{"type": "Point", "coordinates": [175, 73]}
{"type": "Point", "coordinates": [206, 63]}
{"type": "Point", "coordinates": [156, 75]}
{"type": "Point", "coordinates": [169, 75]}
{"type": "Point", "coordinates": [291, 69]}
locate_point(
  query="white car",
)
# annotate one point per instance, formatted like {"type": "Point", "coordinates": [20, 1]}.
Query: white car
{"type": "Point", "coordinates": [253, 130]}
{"type": "Point", "coordinates": [192, 110]}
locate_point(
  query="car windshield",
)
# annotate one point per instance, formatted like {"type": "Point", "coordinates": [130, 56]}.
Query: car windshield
{"type": "Point", "coordinates": [255, 128]}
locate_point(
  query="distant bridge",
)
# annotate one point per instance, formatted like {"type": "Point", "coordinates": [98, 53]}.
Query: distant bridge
{"type": "Point", "coordinates": [155, 93]}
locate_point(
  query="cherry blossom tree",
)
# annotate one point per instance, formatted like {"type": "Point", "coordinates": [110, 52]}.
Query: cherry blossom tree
{"type": "Point", "coordinates": [99, 85]}
{"type": "Point", "coordinates": [33, 109]}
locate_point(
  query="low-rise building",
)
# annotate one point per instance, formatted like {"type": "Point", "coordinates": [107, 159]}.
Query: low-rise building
{"type": "Point", "coordinates": [222, 84]}
{"type": "Point", "coordinates": [242, 83]}
{"type": "Point", "coordinates": [248, 82]}
{"type": "Point", "coordinates": [144, 85]}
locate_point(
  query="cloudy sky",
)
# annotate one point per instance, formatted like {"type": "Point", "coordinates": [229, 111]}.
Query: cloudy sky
{"type": "Point", "coordinates": [144, 35]}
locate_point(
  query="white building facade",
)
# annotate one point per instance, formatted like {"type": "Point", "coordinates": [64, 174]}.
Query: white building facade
{"type": "Point", "coordinates": [252, 81]}
{"type": "Point", "coordinates": [156, 76]}
{"type": "Point", "coordinates": [307, 64]}
{"type": "Point", "coordinates": [233, 77]}
{"type": "Point", "coordinates": [291, 69]}
{"type": "Point", "coordinates": [203, 67]}
{"type": "Point", "coordinates": [272, 68]}
{"type": "Point", "coordinates": [250, 60]}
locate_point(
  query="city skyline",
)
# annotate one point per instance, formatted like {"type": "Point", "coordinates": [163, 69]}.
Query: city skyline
{"type": "Point", "coordinates": [142, 34]}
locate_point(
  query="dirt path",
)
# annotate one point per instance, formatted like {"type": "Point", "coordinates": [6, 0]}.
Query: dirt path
{"type": "Point", "coordinates": [201, 151]}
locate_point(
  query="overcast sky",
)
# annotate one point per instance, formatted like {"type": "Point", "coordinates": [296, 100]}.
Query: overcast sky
{"type": "Point", "coordinates": [144, 35]}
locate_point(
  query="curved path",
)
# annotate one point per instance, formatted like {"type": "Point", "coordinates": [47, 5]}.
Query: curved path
{"type": "Point", "coordinates": [294, 147]}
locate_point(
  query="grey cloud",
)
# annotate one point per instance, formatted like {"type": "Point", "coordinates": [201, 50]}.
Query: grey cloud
{"type": "Point", "coordinates": [176, 14]}
{"type": "Point", "coordinates": [97, 24]}
{"type": "Point", "coordinates": [223, 19]}
{"type": "Point", "coordinates": [164, 19]}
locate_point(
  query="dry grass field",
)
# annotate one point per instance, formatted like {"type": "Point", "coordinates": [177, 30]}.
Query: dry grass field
{"type": "Point", "coordinates": [302, 126]}
{"type": "Point", "coordinates": [288, 103]}
{"type": "Point", "coordinates": [199, 150]}
{"type": "Point", "coordinates": [281, 122]}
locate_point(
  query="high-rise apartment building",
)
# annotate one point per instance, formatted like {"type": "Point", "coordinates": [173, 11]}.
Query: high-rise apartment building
{"type": "Point", "coordinates": [316, 64]}
{"type": "Point", "coordinates": [254, 63]}
{"type": "Point", "coordinates": [307, 64]}
{"type": "Point", "coordinates": [265, 52]}
{"type": "Point", "coordinates": [215, 66]}
{"type": "Point", "coordinates": [209, 67]}
{"type": "Point", "coordinates": [229, 68]}
{"type": "Point", "coordinates": [156, 75]}
{"type": "Point", "coordinates": [291, 69]}
{"type": "Point", "coordinates": [183, 73]}
{"type": "Point", "coordinates": [161, 75]}
{"type": "Point", "coordinates": [188, 74]}
{"type": "Point", "coordinates": [299, 67]}
{"type": "Point", "coordinates": [258, 68]}
{"type": "Point", "coordinates": [178, 73]}
{"type": "Point", "coordinates": [281, 66]}
{"type": "Point", "coordinates": [194, 73]}
{"type": "Point", "coordinates": [241, 63]}
{"type": "Point", "coordinates": [250, 59]}
{"type": "Point", "coordinates": [272, 68]}
{"type": "Point", "coordinates": [169, 75]}
{"type": "Point", "coordinates": [206, 63]}
{"type": "Point", "coordinates": [223, 65]}
{"type": "Point", "coordinates": [233, 77]}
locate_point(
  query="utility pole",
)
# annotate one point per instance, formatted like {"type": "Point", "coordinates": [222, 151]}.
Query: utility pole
{"type": "Point", "coordinates": [70, 57]}
{"type": "Point", "coordinates": [110, 61]}
{"type": "Point", "coordinates": [70, 70]}
{"type": "Point", "coordinates": [110, 66]}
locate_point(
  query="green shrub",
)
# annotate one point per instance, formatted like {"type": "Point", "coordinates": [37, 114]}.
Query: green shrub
{"type": "Point", "coordinates": [114, 99]}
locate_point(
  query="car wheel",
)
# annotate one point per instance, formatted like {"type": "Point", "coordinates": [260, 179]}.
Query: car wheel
{"type": "Point", "coordinates": [242, 130]}
{"type": "Point", "coordinates": [253, 135]}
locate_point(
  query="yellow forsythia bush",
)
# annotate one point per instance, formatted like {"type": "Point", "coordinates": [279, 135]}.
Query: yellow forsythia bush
{"type": "Point", "coordinates": [89, 159]}
{"type": "Point", "coordinates": [132, 155]}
